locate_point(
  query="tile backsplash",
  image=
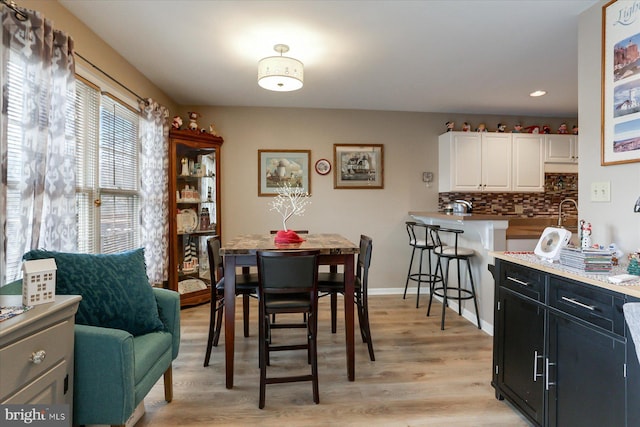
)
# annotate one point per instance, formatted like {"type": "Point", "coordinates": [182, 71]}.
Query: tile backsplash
{"type": "Point", "coordinates": [558, 186]}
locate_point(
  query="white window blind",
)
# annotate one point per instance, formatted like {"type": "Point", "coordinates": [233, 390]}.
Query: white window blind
{"type": "Point", "coordinates": [107, 158]}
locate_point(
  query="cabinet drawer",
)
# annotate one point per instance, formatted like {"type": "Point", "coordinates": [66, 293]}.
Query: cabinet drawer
{"type": "Point", "coordinates": [597, 307]}
{"type": "Point", "coordinates": [17, 368]}
{"type": "Point", "coordinates": [524, 281]}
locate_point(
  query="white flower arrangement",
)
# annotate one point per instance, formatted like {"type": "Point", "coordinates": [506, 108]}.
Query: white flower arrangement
{"type": "Point", "coordinates": [290, 201]}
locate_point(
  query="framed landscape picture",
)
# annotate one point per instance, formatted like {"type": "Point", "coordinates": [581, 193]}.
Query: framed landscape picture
{"type": "Point", "coordinates": [358, 166]}
{"type": "Point", "coordinates": [280, 167]}
{"type": "Point", "coordinates": [620, 83]}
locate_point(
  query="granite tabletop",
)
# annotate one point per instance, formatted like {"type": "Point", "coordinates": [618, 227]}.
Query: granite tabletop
{"type": "Point", "coordinates": [328, 244]}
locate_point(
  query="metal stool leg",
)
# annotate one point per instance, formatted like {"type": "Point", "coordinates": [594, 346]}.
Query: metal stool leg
{"type": "Point", "coordinates": [406, 285]}
{"type": "Point", "coordinates": [445, 283]}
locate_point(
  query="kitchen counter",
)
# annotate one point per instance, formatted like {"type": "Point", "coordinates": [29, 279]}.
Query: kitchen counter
{"type": "Point", "coordinates": [631, 288]}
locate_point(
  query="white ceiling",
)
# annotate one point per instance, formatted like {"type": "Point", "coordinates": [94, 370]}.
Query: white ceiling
{"type": "Point", "coordinates": [456, 56]}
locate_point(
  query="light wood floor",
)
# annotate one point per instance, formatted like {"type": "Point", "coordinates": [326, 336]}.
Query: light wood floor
{"type": "Point", "coordinates": [422, 376]}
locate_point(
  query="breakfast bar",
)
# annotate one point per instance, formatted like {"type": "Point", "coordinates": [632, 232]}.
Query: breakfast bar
{"type": "Point", "coordinates": [483, 234]}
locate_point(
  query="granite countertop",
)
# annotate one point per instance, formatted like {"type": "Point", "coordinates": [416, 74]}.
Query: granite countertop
{"type": "Point", "coordinates": [519, 227]}
{"type": "Point", "coordinates": [529, 259]}
{"type": "Point", "coordinates": [460, 216]}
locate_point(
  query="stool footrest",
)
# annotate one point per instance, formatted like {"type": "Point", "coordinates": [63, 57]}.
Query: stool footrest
{"type": "Point", "coordinates": [467, 293]}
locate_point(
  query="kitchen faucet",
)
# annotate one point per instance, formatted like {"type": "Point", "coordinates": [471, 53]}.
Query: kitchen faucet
{"type": "Point", "coordinates": [560, 209]}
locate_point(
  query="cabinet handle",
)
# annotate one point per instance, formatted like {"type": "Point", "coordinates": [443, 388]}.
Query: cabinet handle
{"type": "Point", "coordinates": [535, 366]}
{"type": "Point", "coordinates": [579, 304]}
{"type": "Point", "coordinates": [547, 383]}
{"type": "Point", "coordinates": [38, 356]}
{"type": "Point", "coordinates": [519, 282]}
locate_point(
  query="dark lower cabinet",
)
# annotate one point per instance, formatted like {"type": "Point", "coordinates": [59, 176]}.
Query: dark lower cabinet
{"type": "Point", "coordinates": [561, 352]}
{"type": "Point", "coordinates": [585, 374]}
{"type": "Point", "coordinates": [520, 354]}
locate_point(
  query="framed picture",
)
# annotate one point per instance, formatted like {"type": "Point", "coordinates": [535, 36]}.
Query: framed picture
{"type": "Point", "coordinates": [358, 166]}
{"type": "Point", "coordinates": [620, 83]}
{"type": "Point", "coordinates": [279, 167]}
{"type": "Point", "coordinates": [323, 167]}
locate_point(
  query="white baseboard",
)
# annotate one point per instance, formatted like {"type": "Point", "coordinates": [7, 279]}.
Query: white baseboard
{"type": "Point", "coordinates": [453, 305]}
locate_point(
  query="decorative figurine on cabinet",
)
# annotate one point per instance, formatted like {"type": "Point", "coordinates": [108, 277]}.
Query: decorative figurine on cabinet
{"type": "Point", "coordinates": [546, 129]}
{"type": "Point", "coordinates": [586, 235]}
{"type": "Point", "coordinates": [517, 128]}
{"type": "Point", "coordinates": [533, 129]}
{"type": "Point", "coordinates": [563, 129]}
{"type": "Point", "coordinates": [450, 126]}
{"type": "Point", "coordinates": [574, 130]}
{"type": "Point", "coordinates": [481, 128]}
{"type": "Point", "coordinates": [212, 130]}
{"type": "Point", "coordinates": [501, 127]}
{"type": "Point", "coordinates": [466, 127]}
{"type": "Point", "coordinates": [193, 123]}
{"type": "Point", "coordinates": [177, 122]}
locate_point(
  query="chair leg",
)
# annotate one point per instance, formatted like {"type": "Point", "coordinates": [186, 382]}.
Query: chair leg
{"type": "Point", "coordinates": [210, 338]}
{"type": "Point", "coordinates": [218, 325]}
{"type": "Point", "coordinates": [473, 291]}
{"type": "Point", "coordinates": [365, 328]}
{"type": "Point", "coordinates": [334, 312]}
{"type": "Point", "coordinates": [245, 314]}
{"type": "Point", "coordinates": [313, 345]}
{"type": "Point", "coordinates": [168, 384]}
{"type": "Point", "coordinates": [262, 357]}
{"type": "Point", "coordinates": [406, 285]}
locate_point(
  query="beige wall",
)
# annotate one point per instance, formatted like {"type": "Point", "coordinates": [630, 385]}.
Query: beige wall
{"type": "Point", "coordinates": [614, 221]}
{"type": "Point", "coordinates": [410, 147]}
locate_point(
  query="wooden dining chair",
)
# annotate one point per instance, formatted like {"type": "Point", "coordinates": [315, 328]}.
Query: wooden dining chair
{"type": "Point", "coordinates": [332, 283]}
{"type": "Point", "coordinates": [288, 283]}
{"type": "Point", "coordinates": [246, 285]}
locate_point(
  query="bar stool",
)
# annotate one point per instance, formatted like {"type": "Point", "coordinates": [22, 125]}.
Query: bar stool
{"type": "Point", "coordinates": [448, 253]}
{"type": "Point", "coordinates": [419, 239]}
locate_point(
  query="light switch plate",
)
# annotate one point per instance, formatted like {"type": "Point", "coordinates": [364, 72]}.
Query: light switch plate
{"type": "Point", "coordinates": [601, 191]}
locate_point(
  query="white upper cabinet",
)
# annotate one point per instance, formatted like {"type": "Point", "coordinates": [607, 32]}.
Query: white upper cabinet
{"type": "Point", "coordinates": [528, 165]}
{"type": "Point", "coordinates": [474, 161]}
{"type": "Point", "coordinates": [561, 149]}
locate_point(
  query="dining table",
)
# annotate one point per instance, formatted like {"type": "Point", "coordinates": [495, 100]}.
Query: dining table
{"type": "Point", "coordinates": [241, 251]}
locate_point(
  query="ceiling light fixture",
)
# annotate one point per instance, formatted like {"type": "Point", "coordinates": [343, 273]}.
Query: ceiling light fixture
{"type": "Point", "coordinates": [538, 93]}
{"type": "Point", "coordinates": [280, 73]}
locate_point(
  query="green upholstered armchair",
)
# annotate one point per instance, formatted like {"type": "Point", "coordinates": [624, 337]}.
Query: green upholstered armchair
{"type": "Point", "coordinates": [126, 336]}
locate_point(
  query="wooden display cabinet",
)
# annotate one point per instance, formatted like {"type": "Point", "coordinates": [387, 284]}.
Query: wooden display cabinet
{"type": "Point", "coordinates": [194, 207]}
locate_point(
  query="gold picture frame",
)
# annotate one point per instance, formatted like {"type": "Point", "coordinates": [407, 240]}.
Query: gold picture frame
{"type": "Point", "coordinates": [620, 139]}
{"type": "Point", "coordinates": [358, 166]}
{"type": "Point", "coordinates": [276, 167]}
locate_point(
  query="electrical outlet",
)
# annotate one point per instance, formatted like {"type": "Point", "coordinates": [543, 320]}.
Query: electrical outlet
{"type": "Point", "coordinates": [601, 191]}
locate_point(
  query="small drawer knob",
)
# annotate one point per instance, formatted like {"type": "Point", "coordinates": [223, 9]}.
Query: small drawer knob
{"type": "Point", "coordinates": [38, 356]}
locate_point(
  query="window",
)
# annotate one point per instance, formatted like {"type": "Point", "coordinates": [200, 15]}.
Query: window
{"type": "Point", "coordinates": [107, 183]}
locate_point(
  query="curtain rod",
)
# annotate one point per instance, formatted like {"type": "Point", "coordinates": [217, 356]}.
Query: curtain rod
{"type": "Point", "coordinates": [21, 16]}
{"type": "Point", "coordinates": [110, 77]}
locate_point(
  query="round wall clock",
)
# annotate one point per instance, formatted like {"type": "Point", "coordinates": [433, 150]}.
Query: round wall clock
{"type": "Point", "coordinates": [323, 166]}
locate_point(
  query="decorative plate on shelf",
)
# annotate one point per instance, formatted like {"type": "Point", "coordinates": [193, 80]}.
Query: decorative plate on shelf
{"type": "Point", "coordinates": [323, 166]}
{"type": "Point", "coordinates": [187, 221]}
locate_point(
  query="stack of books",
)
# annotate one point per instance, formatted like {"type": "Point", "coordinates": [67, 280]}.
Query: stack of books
{"type": "Point", "coordinates": [587, 260]}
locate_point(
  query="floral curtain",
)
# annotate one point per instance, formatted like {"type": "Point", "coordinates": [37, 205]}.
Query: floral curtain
{"type": "Point", "coordinates": [37, 133]}
{"type": "Point", "coordinates": [154, 169]}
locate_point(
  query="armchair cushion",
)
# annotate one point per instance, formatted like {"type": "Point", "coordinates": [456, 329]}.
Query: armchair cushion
{"type": "Point", "coordinates": [115, 289]}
